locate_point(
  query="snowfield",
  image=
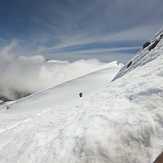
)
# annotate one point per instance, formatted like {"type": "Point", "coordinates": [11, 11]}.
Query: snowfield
{"type": "Point", "coordinates": [114, 122]}
{"type": "Point", "coordinates": [21, 76]}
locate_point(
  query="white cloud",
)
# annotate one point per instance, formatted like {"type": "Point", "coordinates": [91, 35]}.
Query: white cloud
{"type": "Point", "coordinates": [21, 75]}
{"type": "Point", "coordinates": [137, 33]}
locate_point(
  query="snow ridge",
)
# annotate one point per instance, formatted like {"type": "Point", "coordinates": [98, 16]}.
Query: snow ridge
{"type": "Point", "coordinates": [144, 55]}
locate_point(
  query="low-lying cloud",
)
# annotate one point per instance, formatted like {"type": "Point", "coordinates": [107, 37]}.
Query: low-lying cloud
{"type": "Point", "coordinates": [21, 75]}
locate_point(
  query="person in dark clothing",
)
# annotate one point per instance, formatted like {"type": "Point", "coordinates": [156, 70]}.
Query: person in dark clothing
{"type": "Point", "coordinates": [146, 44]}
{"type": "Point", "coordinates": [80, 94]}
{"type": "Point", "coordinates": [153, 45]}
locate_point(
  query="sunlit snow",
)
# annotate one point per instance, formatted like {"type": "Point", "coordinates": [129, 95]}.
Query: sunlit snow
{"type": "Point", "coordinates": [114, 122]}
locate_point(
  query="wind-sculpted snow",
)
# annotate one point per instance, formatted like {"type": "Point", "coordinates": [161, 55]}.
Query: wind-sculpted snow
{"type": "Point", "coordinates": [122, 123]}
{"type": "Point", "coordinates": [119, 122]}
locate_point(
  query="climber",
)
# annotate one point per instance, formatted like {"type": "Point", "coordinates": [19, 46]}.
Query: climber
{"type": "Point", "coordinates": [80, 94]}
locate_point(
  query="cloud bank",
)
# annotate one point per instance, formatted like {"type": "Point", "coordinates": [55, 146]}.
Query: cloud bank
{"type": "Point", "coordinates": [21, 75]}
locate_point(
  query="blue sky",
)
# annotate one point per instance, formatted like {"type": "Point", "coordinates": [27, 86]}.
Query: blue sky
{"type": "Point", "coordinates": [75, 29]}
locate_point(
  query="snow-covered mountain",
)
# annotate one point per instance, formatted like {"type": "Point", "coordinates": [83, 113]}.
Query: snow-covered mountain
{"type": "Point", "coordinates": [148, 53]}
{"type": "Point", "coordinates": [114, 122]}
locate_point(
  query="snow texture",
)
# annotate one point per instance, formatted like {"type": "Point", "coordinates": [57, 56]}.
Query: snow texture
{"type": "Point", "coordinates": [114, 122]}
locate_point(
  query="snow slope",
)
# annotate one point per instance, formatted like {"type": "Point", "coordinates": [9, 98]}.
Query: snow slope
{"type": "Point", "coordinates": [21, 76]}
{"type": "Point", "coordinates": [66, 92]}
{"type": "Point", "coordinates": [120, 122]}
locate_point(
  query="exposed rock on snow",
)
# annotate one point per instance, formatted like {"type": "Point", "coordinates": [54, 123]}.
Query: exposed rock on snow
{"type": "Point", "coordinates": [144, 56]}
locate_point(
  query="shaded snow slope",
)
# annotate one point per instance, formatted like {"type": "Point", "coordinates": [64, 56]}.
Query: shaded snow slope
{"type": "Point", "coordinates": [152, 51]}
{"type": "Point", "coordinates": [121, 122]}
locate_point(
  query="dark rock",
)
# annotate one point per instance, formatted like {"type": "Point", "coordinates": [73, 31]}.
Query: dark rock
{"type": "Point", "coordinates": [146, 44]}
{"type": "Point", "coordinates": [154, 45]}
{"type": "Point", "coordinates": [129, 64]}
